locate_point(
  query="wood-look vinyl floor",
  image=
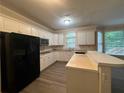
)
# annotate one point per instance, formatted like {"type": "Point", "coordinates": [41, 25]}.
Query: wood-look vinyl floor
{"type": "Point", "coordinates": [51, 80]}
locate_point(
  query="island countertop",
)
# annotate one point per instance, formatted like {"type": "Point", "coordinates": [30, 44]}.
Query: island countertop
{"type": "Point", "coordinates": [81, 61]}
{"type": "Point", "coordinates": [92, 67]}
{"type": "Point", "coordinates": [92, 60]}
{"type": "Point", "coordinates": [105, 60]}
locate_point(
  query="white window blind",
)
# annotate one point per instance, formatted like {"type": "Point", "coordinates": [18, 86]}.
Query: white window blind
{"type": "Point", "coordinates": [71, 40]}
{"type": "Point", "coordinates": [114, 42]}
{"type": "Point", "coordinates": [100, 42]}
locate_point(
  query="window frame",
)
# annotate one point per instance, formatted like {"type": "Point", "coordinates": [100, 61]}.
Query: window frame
{"type": "Point", "coordinates": [70, 38]}
{"type": "Point", "coordinates": [104, 46]}
{"type": "Point", "coordinates": [103, 40]}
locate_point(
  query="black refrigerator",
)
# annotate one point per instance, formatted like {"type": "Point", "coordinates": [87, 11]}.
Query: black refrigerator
{"type": "Point", "coordinates": [19, 61]}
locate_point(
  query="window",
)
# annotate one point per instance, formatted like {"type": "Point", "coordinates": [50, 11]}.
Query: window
{"type": "Point", "coordinates": [114, 42]}
{"type": "Point", "coordinates": [100, 42]}
{"type": "Point", "coordinates": [70, 39]}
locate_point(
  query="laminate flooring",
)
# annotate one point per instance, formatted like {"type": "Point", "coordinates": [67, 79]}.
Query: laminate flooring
{"type": "Point", "coordinates": [51, 80]}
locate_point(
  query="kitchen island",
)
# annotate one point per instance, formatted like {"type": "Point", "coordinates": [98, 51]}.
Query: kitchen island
{"type": "Point", "coordinates": [91, 72]}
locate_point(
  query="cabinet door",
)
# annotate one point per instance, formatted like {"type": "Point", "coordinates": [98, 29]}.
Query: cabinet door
{"type": "Point", "coordinates": [61, 55]}
{"type": "Point", "coordinates": [67, 55]}
{"type": "Point", "coordinates": [61, 39]}
{"type": "Point", "coordinates": [1, 23]}
{"type": "Point", "coordinates": [46, 34]}
{"type": "Point", "coordinates": [52, 57]}
{"type": "Point", "coordinates": [42, 63]}
{"type": "Point", "coordinates": [90, 38]}
{"type": "Point", "coordinates": [40, 33]}
{"type": "Point", "coordinates": [25, 29]}
{"type": "Point", "coordinates": [43, 34]}
{"type": "Point", "coordinates": [50, 39]}
{"type": "Point", "coordinates": [55, 56]}
{"type": "Point", "coordinates": [59, 58]}
{"type": "Point", "coordinates": [49, 59]}
{"type": "Point", "coordinates": [55, 38]}
{"type": "Point", "coordinates": [10, 25]}
{"type": "Point", "coordinates": [81, 38]}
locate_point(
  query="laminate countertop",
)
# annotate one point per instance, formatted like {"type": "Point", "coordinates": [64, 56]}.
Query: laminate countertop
{"type": "Point", "coordinates": [81, 61]}
{"type": "Point", "coordinates": [60, 50]}
{"type": "Point", "coordinates": [92, 60]}
{"type": "Point", "coordinates": [104, 59]}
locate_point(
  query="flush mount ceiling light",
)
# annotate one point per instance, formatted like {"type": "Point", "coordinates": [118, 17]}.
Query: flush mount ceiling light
{"type": "Point", "coordinates": [67, 20]}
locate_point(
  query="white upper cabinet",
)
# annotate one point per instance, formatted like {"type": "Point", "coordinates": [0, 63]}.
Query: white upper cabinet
{"type": "Point", "coordinates": [81, 38]}
{"type": "Point", "coordinates": [50, 39]}
{"type": "Point", "coordinates": [10, 25]}
{"type": "Point", "coordinates": [47, 35]}
{"type": "Point", "coordinates": [90, 38]}
{"type": "Point", "coordinates": [61, 39]}
{"type": "Point", "coordinates": [35, 31]}
{"type": "Point", "coordinates": [86, 38]}
{"type": "Point", "coordinates": [1, 23]}
{"type": "Point", "coordinates": [55, 39]}
{"type": "Point", "coordinates": [25, 29]}
{"type": "Point", "coordinates": [43, 34]}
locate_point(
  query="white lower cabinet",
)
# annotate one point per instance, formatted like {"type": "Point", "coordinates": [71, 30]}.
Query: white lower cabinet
{"type": "Point", "coordinates": [68, 55]}
{"type": "Point", "coordinates": [50, 58]}
{"type": "Point", "coordinates": [64, 55]}
{"type": "Point", "coordinates": [55, 56]}
{"type": "Point", "coordinates": [42, 63]}
{"type": "Point", "coordinates": [46, 60]}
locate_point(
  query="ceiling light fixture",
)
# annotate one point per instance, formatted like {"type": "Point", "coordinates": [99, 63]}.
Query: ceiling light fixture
{"type": "Point", "coordinates": [67, 20]}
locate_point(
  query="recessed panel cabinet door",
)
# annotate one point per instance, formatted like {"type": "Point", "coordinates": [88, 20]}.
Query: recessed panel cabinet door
{"type": "Point", "coordinates": [42, 63]}
{"type": "Point", "coordinates": [55, 37]}
{"type": "Point", "coordinates": [1, 23]}
{"type": "Point", "coordinates": [50, 39]}
{"type": "Point", "coordinates": [81, 38]}
{"type": "Point", "coordinates": [10, 25]}
{"type": "Point", "coordinates": [34, 31]}
{"type": "Point", "coordinates": [61, 39]}
{"type": "Point", "coordinates": [25, 29]}
{"type": "Point", "coordinates": [90, 38]}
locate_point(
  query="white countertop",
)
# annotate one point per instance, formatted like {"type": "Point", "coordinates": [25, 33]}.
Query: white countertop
{"type": "Point", "coordinates": [81, 61]}
{"type": "Point", "coordinates": [104, 59]}
{"type": "Point", "coordinates": [92, 60]}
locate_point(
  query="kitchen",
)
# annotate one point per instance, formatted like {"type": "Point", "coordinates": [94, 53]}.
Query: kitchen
{"type": "Point", "coordinates": [61, 40]}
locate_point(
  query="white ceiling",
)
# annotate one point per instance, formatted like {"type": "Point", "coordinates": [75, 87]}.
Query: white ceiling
{"type": "Point", "coordinates": [82, 12]}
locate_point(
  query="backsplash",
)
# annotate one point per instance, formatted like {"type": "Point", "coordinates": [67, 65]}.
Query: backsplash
{"type": "Point", "coordinates": [81, 48]}
{"type": "Point", "coordinates": [88, 48]}
{"type": "Point", "coordinates": [45, 48]}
